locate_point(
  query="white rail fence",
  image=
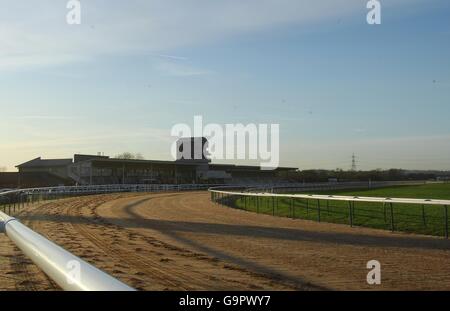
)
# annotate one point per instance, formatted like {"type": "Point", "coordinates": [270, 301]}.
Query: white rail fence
{"type": "Point", "coordinates": [65, 269]}
{"type": "Point", "coordinates": [320, 208]}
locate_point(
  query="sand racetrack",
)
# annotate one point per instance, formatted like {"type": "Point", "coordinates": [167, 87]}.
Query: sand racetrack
{"type": "Point", "coordinates": [181, 241]}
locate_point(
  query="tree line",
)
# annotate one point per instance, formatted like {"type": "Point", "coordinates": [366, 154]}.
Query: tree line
{"type": "Point", "coordinates": [373, 175]}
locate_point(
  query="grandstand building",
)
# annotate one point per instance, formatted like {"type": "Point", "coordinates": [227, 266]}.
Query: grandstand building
{"type": "Point", "coordinates": [98, 170]}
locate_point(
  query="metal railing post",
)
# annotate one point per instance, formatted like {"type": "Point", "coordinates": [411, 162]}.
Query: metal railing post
{"type": "Point", "coordinates": [318, 210]}
{"type": "Point", "coordinates": [350, 213]}
{"type": "Point", "coordinates": [424, 221]}
{"type": "Point", "coordinates": [392, 216]}
{"type": "Point", "coordinates": [446, 221]}
{"type": "Point", "coordinates": [273, 206]}
{"type": "Point", "coordinates": [292, 208]}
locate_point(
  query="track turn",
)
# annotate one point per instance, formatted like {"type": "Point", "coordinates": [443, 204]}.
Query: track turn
{"type": "Point", "coordinates": [181, 241]}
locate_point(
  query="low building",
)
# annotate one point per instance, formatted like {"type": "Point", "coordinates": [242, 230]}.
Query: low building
{"type": "Point", "coordinates": [58, 167]}
{"type": "Point", "coordinates": [99, 169]}
{"type": "Point", "coordinates": [119, 171]}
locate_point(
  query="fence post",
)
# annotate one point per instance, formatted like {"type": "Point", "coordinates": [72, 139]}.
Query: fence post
{"type": "Point", "coordinates": [353, 211]}
{"type": "Point", "coordinates": [273, 206]}
{"type": "Point", "coordinates": [292, 208]}
{"type": "Point", "coordinates": [423, 215]}
{"type": "Point", "coordinates": [446, 221]}
{"type": "Point", "coordinates": [257, 205]}
{"type": "Point", "coordinates": [350, 213]}
{"type": "Point", "coordinates": [318, 210]}
{"type": "Point", "coordinates": [392, 217]}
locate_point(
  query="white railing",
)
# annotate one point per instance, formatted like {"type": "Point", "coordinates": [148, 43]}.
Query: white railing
{"type": "Point", "coordinates": [67, 270]}
{"type": "Point", "coordinates": [110, 188]}
{"type": "Point", "coordinates": [334, 197]}
{"type": "Point", "coordinates": [228, 196]}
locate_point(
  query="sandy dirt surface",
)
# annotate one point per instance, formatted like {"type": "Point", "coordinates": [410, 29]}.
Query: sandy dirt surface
{"type": "Point", "coordinates": [18, 272]}
{"type": "Point", "coordinates": [181, 241]}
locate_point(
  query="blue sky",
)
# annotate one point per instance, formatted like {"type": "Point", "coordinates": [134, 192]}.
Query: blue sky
{"type": "Point", "coordinates": [120, 80]}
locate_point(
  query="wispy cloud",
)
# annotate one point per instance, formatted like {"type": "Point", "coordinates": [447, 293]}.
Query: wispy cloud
{"type": "Point", "coordinates": [173, 57]}
{"type": "Point", "coordinates": [180, 70]}
{"type": "Point", "coordinates": [37, 34]}
{"type": "Point", "coordinates": [44, 117]}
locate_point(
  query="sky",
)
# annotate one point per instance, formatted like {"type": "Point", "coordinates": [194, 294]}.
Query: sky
{"type": "Point", "coordinates": [133, 69]}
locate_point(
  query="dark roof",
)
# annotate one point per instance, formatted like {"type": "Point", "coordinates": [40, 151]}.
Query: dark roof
{"type": "Point", "coordinates": [105, 161]}
{"type": "Point", "coordinates": [38, 162]}
{"type": "Point", "coordinates": [247, 167]}
{"type": "Point", "coordinates": [113, 161]}
{"type": "Point", "coordinates": [84, 157]}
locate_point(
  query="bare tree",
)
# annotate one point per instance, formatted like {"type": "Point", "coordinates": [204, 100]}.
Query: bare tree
{"type": "Point", "coordinates": [130, 156]}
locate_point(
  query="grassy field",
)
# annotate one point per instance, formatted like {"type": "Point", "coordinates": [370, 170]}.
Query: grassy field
{"type": "Point", "coordinates": [427, 219]}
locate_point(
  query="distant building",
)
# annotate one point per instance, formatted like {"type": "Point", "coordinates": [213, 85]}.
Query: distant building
{"type": "Point", "coordinates": [58, 167]}
{"type": "Point", "coordinates": [96, 170]}
{"type": "Point", "coordinates": [443, 178]}
{"type": "Point", "coordinates": [118, 171]}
